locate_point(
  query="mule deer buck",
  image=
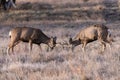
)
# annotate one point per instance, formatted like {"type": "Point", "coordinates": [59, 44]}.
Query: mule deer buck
{"type": "Point", "coordinates": [30, 35]}
{"type": "Point", "coordinates": [95, 32]}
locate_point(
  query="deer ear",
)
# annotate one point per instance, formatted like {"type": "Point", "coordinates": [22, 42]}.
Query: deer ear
{"type": "Point", "coordinates": [55, 38]}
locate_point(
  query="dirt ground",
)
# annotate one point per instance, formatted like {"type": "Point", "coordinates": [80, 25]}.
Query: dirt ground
{"type": "Point", "coordinates": [63, 19]}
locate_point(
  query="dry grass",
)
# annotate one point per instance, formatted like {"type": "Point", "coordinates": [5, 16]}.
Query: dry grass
{"type": "Point", "coordinates": [61, 64]}
{"type": "Point", "coordinates": [74, 11]}
{"type": "Point", "coordinates": [67, 1]}
{"type": "Point", "coordinates": [64, 22]}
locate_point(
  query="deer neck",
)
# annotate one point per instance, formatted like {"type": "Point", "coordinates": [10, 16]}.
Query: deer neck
{"type": "Point", "coordinates": [45, 40]}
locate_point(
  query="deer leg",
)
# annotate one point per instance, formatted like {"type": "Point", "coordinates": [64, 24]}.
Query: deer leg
{"type": "Point", "coordinates": [103, 45]}
{"type": "Point", "coordinates": [8, 50]}
{"type": "Point", "coordinates": [109, 43]}
{"type": "Point", "coordinates": [84, 45]}
{"type": "Point", "coordinates": [73, 48]}
{"type": "Point", "coordinates": [109, 40]}
{"type": "Point", "coordinates": [48, 49]}
{"type": "Point", "coordinates": [40, 48]}
{"type": "Point", "coordinates": [11, 46]}
{"type": "Point", "coordinates": [12, 49]}
{"type": "Point", "coordinates": [14, 46]}
{"type": "Point", "coordinates": [30, 46]}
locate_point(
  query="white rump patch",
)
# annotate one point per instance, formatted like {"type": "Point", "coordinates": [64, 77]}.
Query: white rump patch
{"type": "Point", "coordinates": [10, 34]}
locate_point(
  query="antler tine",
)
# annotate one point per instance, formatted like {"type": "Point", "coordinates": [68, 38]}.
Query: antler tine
{"type": "Point", "coordinates": [64, 43]}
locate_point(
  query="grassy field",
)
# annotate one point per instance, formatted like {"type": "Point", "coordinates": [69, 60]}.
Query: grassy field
{"type": "Point", "coordinates": [63, 19]}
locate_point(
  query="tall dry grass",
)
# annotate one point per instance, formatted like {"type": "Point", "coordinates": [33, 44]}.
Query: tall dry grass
{"type": "Point", "coordinates": [61, 64]}
{"type": "Point", "coordinates": [63, 21]}
{"type": "Point", "coordinates": [67, 1]}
